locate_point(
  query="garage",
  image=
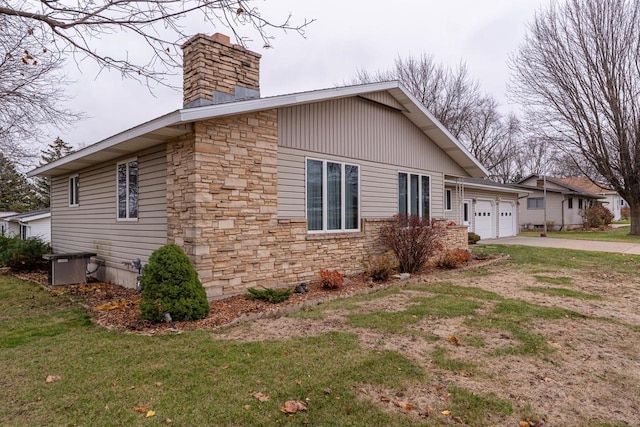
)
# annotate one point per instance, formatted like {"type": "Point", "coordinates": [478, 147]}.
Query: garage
{"type": "Point", "coordinates": [484, 219]}
{"type": "Point", "coordinates": [506, 219]}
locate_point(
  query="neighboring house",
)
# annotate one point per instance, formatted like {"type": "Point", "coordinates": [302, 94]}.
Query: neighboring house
{"type": "Point", "coordinates": [29, 224]}
{"type": "Point", "coordinates": [564, 203]}
{"type": "Point", "coordinates": [4, 225]}
{"type": "Point", "coordinates": [258, 191]}
{"type": "Point", "coordinates": [488, 208]}
{"type": "Point", "coordinates": [614, 202]}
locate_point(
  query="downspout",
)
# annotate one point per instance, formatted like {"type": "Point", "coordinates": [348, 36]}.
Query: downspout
{"type": "Point", "coordinates": [562, 216]}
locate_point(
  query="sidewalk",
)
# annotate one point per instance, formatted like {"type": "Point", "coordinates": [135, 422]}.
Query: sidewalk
{"type": "Point", "coordinates": [583, 245]}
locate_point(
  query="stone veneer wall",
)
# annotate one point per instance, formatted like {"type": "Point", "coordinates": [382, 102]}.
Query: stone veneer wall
{"type": "Point", "coordinates": [222, 209]}
{"type": "Point", "coordinates": [213, 63]}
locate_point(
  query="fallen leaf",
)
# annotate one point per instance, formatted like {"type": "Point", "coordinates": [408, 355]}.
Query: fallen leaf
{"type": "Point", "coordinates": [446, 412]}
{"type": "Point", "coordinates": [465, 373]}
{"type": "Point", "coordinates": [293, 406]}
{"type": "Point", "coordinates": [260, 396]}
{"type": "Point", "coordinates": [524, 424]}
{"type": "Point", "coordinates": [458, 420]}
{"type": "Point", "coordinates": [158, 384]}
{"type": "Point", "coordinates": [52, 378]}
{"type": "Point", "coordinates": [453, 340]}
{"type": "Point", "coordinates": [384, 398]}
{"type": "Point", "coordinates": [327, 390]}
{"type": "Point", "coordinates": [298, 381]}
{"type": "Point", "coordinates": [225, 367]}
{"type": "Point", "coordinates": [141, 409]}
{"type": "Point", "coordinates": [167, 421]}
{"type": "Point", "coordinates": [150, 414]}
{"type": "Point", "coordinates": [247, 407]}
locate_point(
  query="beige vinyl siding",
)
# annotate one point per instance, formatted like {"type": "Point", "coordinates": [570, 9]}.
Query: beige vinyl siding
{"type": "Point", "coordinates": [92, 226]}
{"type": "Point", "coordinates": [385, 98]}
{"type": "Point", "coordinates": [356, 128]}
{"type": "Point", "coordinates": [536, 216]}
{"type": "Point", "coordinates": [378, 185]}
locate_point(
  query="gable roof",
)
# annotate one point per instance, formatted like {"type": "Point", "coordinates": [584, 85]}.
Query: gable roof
{"type": "Point", "coordinates": [180, 122]}
{"type": "Point", "coordinates": [29, 216]}
{"type": "Point", "coordinates": [568, 188]}
{"type": "Point", "coordinates": [587, 185]}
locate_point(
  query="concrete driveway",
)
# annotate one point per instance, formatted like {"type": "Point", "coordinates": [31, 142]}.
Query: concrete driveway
{"type": "Point", "coordinates": [584, 245]}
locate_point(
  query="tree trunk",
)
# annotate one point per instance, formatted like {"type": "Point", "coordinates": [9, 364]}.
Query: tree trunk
{"type": "Point", "coordinates": [635, 217]}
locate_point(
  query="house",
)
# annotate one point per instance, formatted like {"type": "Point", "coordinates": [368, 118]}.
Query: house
{"type": "Point", "coordinates": [614, 202]}
{"type": "Point", "coordinates": [258, 191]}
{"type": "Point", "coordinates": [563, 207]}
{"type": "Point", "coordinates": [28, 225]}
{"type": "Point", "coordinates": [4, 226]}
{"type": "Point", "coordinates": [488, 208]}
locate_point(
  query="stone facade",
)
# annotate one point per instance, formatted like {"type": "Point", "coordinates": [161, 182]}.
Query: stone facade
{"type": "Point", "coordinates": [213, 63]}
{"type": "Point", "coordinates": [222, 190]}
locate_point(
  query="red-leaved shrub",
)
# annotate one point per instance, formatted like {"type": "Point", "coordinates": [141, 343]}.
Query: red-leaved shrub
{"type": "Point", "coordinates": [412, 239]}
{"type": "Point", "coordinates": [331, 279]}
{"type": "Point", "coordinates": [454, 259]}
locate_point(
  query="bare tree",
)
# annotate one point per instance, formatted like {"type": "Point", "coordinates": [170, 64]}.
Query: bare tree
{"type": "Point", "coordinates": [455, 99]}
{"type": "Point", "coordinates": [71, 27]}
{"type": "Point", "coordinates": [31, 91]}
{"type": "Point", "coordinates": [577, 74]}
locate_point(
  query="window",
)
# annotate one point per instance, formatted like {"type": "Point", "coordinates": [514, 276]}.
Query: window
{"type": "Point", "coordinates": [333, 196]}
{"type": "Point", "coordinates": [128, 190]}
{"type": "Point", "coordinates": [414, 194]}
{"type": "Point", "coordinates": [24, 233]}
{"type": "Point", "coordinates": [580, 204]}
{"type": "Point", "coordinates": [74, 185]}
{"type": "Point", "coordinates": [535, 203]}
{"type": "Point", "coordinates": [447, 200]}
{"type": "Point", "coordinates": [465, 212]}
{"type": "Point", "coordinates": [570, 203]}
{"type": "Point", "coordinates": [622, 202]}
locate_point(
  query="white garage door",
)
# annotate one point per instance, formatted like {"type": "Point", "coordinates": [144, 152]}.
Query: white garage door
{"type": "Point", "coordinates": [506, 219]}
{"type": "Point", "coordinates": [484, 219]}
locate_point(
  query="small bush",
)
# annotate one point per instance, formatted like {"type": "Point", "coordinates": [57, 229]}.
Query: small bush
{"type": "Point", "coordinates": [269, 294]}
{"type": "Point", "coordinates": [473, 238]}
{"type": "Point", "coordinates": [170, 284]}
{"type": "Point", "coordinates": [412, 239]}
{"type": "Point", "coordinates": [23, 254]}
{"type": "Point", "coordinates": [455, 258]}
{"type": "Point", "coordinates": [331, 279]}
{"type": "Point", "coordinates": [596, 217]}
{"type": "Point", "coordinates": [625, 213]}
{"type": "Point", "coordinates": [379, 267]}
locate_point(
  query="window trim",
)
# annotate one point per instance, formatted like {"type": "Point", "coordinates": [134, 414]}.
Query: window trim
{"type": "Point", "coordinates": [420, 192]}
{"type": "Point", "coordinates": [127, 218]}
{"type": "Point", "coordinates": [466, 210]}
{"type": "Point", "coordinates": [342, 164]}
{"type": "Point", "coordinates": [74, 191]}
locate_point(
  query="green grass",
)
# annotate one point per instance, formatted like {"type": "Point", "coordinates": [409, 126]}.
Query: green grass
{"type": "Point", "coordinates": [478, 410]}
{"type": "Point", "coordinates": [552, 259]}
{"type": "Point", "coordinates": [190, 378]}
{"type": "Point", "coordinates": [441, 359]}
{"type": "Point", "coordinates": [563, 292]}
{"type": "Point", "coordinates": [554, 280]}
{"type": "Point", "coordinates": [447, 288]}
{"type": "Point", "coordinates": [615, 235]}
{"type": "Point", "coordinates": [397, 321]}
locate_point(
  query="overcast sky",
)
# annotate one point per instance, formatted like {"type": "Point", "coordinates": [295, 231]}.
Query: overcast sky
{"type": "Point", "coordinates": [346, 35]}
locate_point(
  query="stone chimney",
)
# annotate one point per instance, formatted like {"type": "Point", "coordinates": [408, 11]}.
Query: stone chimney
{"type": "Point", "coordinates": [216, 71]}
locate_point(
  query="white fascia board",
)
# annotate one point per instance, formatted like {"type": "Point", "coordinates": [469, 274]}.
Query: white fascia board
{"type": "Point", "coordinates": [490, 187]}
{"type": "Point", "coordinates": [170, 119]}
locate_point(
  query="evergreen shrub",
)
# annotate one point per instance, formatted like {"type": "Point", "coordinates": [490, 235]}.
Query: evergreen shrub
{"type": "Point", "coordinates": [170, 284]}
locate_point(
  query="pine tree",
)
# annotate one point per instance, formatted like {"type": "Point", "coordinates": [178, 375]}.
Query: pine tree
{"type": "Point", "coordinates": [16, 192]}
{"type": "Point", "coordinates": [56, 150]}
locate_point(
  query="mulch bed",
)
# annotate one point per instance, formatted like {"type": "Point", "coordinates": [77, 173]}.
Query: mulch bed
{"type": "Point", "coordinates": [116, 307]}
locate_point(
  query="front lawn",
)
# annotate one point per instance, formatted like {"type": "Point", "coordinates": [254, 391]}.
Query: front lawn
{"type": "Point", "coordinates": [615, 235]}
{"type": "Point", "coordinates": [552, 335]}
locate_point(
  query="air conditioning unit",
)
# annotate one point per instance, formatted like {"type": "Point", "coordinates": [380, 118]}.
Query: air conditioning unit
{"type": "Point", "coordinates": [68, 269]}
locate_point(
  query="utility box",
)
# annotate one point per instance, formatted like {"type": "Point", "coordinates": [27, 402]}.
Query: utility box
{"type": "Point", "coordinates": [68, 269]}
